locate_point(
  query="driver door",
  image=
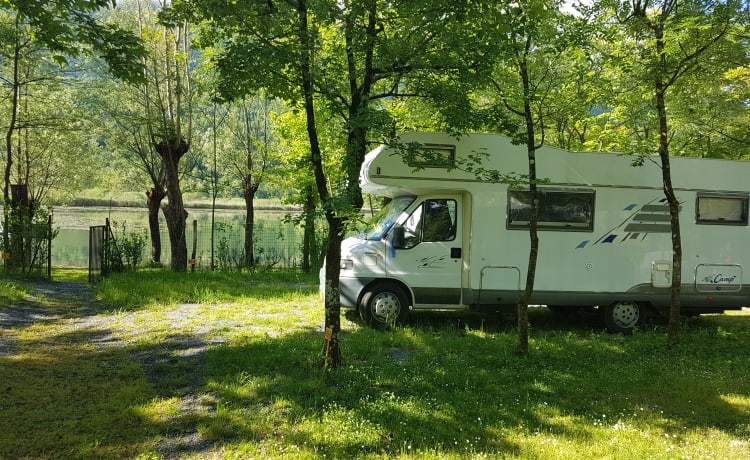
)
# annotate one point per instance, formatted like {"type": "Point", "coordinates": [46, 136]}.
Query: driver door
{"type": "Point", "coordinates": [428, 257]}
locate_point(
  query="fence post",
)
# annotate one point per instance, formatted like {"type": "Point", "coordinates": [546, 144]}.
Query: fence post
{"type": "Point", "coordinates": [195, 244]}
{"type": "Point", "coordinates": [49, 246]}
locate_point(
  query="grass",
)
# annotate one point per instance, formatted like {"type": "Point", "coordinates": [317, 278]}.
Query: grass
{"type": "Point", "coordinates": [12, 291]}
{"type": "Point", "coordinates": [228, 366]}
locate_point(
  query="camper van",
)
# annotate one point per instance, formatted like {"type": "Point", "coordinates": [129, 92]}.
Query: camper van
{"type": "Point", "coordinates": [455, 235]}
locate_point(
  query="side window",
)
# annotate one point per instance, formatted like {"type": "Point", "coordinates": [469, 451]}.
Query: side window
{"type": "Point", "coordinates": [433, 156]}
{"type": "Point", "coordinates": [439, 220]}
{"type": "Point", "coordinates": [721, 209]}
{"type": "Point", "coordinates": [560, 210]}
{"type": "Point", "coordinates": [433, 220]}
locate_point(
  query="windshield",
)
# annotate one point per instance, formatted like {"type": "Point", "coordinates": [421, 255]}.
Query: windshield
{"type": "Point", "coordinates": [384, 219]}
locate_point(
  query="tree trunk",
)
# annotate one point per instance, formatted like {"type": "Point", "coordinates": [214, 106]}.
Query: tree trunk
{"type": "Point", "coordinates": [9, 139]}
{"type": "Point", "coordinates": [171, 151]}
{"type": "Point", "coordinates": [154, 198]}
{"type": "Point", "coordinates": [660, 89]}
{"type": "Point", "coordinates": [249, 194]}
{"type": "Point", "coordinates": [176, 218]}
{"type": "Point", "coordinates": [333, 252]}
{"type": "Point", "coordinates": [332, 297]}
{"type": "Point", "coordinates": [523, 301]}
{"type": "Point", "coordinates": [309, 231]}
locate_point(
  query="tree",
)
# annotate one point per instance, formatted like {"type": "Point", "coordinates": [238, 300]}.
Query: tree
{"type": "Point", "coordinates": [124, 127]}
{"type": "Point", "coordinates": [348, 56]}
{"type": "Point", "coordinates": [530, 40]}
{"type": "Point", "coordinates": [63, 27]}
{"type": "Point", "coordinates": [667, 41]}
{"type": "Point", "coordinates": [135, 118]}
{"type": "Point", "coordinates": [709, 109]}
{"type": "Point", "coordinates": [249, 156]}
{"type": "Point", "coordinates": [70, 28]}
{"type": "Point", "coordinates": [168, 94]}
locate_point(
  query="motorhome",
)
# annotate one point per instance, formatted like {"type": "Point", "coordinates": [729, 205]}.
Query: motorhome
{"type": "Point", "coordinates": [454, 233]}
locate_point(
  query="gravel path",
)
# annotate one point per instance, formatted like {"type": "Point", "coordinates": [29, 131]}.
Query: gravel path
{"type": "Point", "coordinates": [73, 307]}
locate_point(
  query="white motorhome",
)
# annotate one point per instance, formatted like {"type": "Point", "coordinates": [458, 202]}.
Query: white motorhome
{"type": "Point", "coordinates": [451, 240]}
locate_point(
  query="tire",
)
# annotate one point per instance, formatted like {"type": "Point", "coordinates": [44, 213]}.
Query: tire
{"type": "Point", "coordinates": [623, 317]}
{"type": "Point", "coordinates": [384, 305]}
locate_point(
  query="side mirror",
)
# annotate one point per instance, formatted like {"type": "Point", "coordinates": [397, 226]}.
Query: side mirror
{"type": "Point", "coordinates": [398, 240]}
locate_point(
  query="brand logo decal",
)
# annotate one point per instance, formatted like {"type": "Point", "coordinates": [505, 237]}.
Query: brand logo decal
{"type": "Point", "coordinates": [719, 278]}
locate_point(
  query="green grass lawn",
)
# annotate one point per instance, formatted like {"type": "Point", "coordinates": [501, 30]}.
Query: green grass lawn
{"type": "Point", "coordinates": [229, 366]}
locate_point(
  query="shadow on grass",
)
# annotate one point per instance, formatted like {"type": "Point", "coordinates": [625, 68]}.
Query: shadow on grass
{"type": "Point", "coordinates": [540, 318]}
{"type": "Point", "coordinates": [435, 390]}
{"type": "Point", "coordinates": [446, 384]}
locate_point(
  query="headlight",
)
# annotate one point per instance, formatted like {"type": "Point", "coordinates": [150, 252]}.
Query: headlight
{"type": "Point", "coordinates": [347, 264]}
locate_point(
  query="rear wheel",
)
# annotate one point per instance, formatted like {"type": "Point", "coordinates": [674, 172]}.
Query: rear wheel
{"type": "Point", "coordinates": [384, 305]}
{"type": "Point", "coordinates": [623, 317]}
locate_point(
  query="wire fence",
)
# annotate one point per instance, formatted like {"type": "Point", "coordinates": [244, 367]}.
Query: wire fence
{"type": "Point", "coordinates": [278, 243]}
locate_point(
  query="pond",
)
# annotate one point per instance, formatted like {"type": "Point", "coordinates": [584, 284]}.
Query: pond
{"type": "Point", "coordinates": [276, 241]}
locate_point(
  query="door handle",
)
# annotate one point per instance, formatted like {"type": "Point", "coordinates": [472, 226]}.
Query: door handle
{"type": "Point", "coordinates": [455, 253]}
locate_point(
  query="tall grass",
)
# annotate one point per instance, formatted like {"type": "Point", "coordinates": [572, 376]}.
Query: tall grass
{"type": "Point", "coordinates": [229, 366]}
{"type": "Point", "coordinates": [12, 291]}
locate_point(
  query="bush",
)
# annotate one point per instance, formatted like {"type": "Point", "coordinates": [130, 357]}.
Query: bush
{"type": "Point", "coordinates": [128, 247]}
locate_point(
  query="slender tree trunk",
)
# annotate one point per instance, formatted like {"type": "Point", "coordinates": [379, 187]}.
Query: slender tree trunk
{"type": "Point", "coordinates": [523, 302]}
{"type": "Point", "coordinates": [9, 138]}
{"type": "Point", "coordinates": [660, 89]}
{"type": "Point", "coordinates": [249, 193]}
{"type": "Point", "coordinates": [309, 232]}
{"type": "Point", "coordinates": [333, 251]}
{"type": "Point", "coordinates": [154, 198]}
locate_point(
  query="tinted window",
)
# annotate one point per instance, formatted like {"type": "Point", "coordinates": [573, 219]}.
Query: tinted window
{"type": "Point", "coordinates": [558, 209]}
{"type": "Point", "coordinates": [721, 209]}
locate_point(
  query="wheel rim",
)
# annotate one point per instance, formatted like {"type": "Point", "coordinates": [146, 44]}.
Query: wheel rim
{"type": "Point", "coordinates": [625, 315]}
{"type": "Point", "coordinates": [385, 307]}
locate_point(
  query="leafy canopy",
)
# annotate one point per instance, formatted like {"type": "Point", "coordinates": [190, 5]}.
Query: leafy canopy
{"type": "Point", "coordinates": [71, 27]}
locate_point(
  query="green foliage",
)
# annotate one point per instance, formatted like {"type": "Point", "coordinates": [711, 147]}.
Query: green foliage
{"type": "Point", "coordinates": [64, 25]}
{"type": "Point", "coordinates": [698, 46]}
{"type": "Point", "coordinates": [590, 102]}
{"type": "Point", "coordinates": [228, 255]}
{"type": "Point", "coordinates": [129, 246]}
{"type": "Point", "coordinates": [267, 258]}
{"type": "Point", "coordinates": [28, 234]}
{"type": "Point", "coordinates": [122, 250]}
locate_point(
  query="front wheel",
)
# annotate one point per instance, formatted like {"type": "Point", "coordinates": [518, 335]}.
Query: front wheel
{"type": "Point", "coordinates": [623, 317]}
{"type": "Point", "coordinates": [384, 305]}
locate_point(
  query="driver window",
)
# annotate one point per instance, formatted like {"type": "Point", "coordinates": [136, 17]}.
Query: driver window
{"type": "Point", "coordinates": [433, 220]}
{"type": "Point", "coordinates": [439, 220]}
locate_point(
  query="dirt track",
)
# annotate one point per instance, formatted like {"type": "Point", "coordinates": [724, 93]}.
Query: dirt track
{"type": "Point", "coordinates": [73, 307]}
